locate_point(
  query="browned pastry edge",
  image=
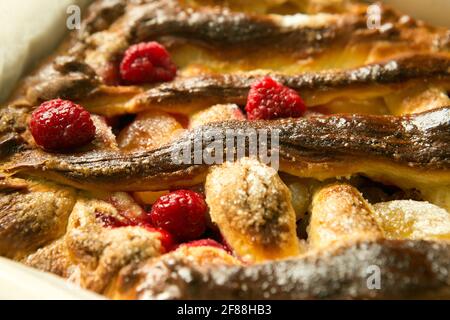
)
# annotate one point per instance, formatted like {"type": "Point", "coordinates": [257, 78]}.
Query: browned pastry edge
{"type": "Point", "coordinates": [204, 91]}
{"type": "Point", "coordinates": [418, 143]}
{"type": "Point", "coordinates": [160, 17]}
{"type": "Point", "coordinates": [212, 28]}
{"type": "Point", "coordinates": [408, 269]}
{"type": "Point", "coordinates": [13, 122]}
{"type": "Point", "coordinates": [100, 15]}
{"type": "Point", "coordinates": [32, 215]}
{"type": "Point", "coordinates": [233, 88]}
{"type": "Point", "coordinates": [67, 77]}
{"type": "Point", "coordinates": [222, 28]}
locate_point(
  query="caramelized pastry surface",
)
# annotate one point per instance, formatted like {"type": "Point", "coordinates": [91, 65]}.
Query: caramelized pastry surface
{"type": "Point", "coordinates": [361, 180]}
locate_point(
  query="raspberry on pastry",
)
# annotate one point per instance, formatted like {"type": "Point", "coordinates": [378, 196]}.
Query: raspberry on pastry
{"type": "Point", "coordinates": [147, 63]}
{"type": "Point", "coordinates": [61, 125]}
{"type": "Point", "coordinates": [167, 240]}
{"type": "Point", "coordinates": [182, 213]}
{"type": "Point", "coordinates": [269, 99]}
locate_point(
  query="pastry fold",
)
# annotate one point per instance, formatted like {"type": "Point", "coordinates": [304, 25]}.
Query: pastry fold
{"type": "Point", "coordinates": [368, 82]}
{"type": "Point", "coordinates": [382, 269]}
{"type": "Point", "coordinates": [409, 151]}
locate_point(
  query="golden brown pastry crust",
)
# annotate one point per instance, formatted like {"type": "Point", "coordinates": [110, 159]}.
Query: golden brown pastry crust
{"type": "Point", "coordinates": [409, 270]}
{"type": "Point", "coordinates": [409, 151]}
{"type": "Point", "coordinates": [389, 87]}
{"type": "Point", "coordinates": [34, 218]}
{"type": "Point", "coordinates": [340, 214]}
{"type": "Point", "coordinates": [90, 254]}
{"type": "Point", "coordinates": [252, 207]}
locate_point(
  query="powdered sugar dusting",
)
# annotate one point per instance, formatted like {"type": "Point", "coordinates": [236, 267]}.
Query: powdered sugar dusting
{"type": "Point", "coordinates": [415, 220]}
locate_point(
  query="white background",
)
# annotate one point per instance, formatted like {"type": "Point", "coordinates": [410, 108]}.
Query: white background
{"type": "Point", "coordinates": [29, 29]}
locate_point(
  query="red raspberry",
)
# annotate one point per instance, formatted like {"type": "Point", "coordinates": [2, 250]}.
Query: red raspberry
{"type": "Point", "coordinates": [269, 99]}
{"type": "Point", "coordinates": [204, 243]}
{"type": "Point", "coordinates": [167, 240]}
{"type": "Point", "coordinates": [147, 62]}
{"type": "Point", "coordinates": [182, 213]}
{"type": "Point", "coordinates": [61, 125]}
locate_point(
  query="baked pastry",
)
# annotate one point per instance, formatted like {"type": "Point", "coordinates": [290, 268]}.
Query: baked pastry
{"type": "Point", "coordinates": [363, 184]}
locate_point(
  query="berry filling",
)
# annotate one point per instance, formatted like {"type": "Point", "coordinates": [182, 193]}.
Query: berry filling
{"type": "Point", "coordinates": [182, 213]}
{"type": "Point", "coordinates": [108, 221]}
{"type": "Point", "coordinates": [147, 62]}
{"type": "Point", "coordinates": [180, 216]}
{"type": "Point", "coordinates": [204, 243]}
{"type": "Point", "coordinates": [167, 240]}
{"type": "Point", "coordinates": [129, 209]}
{"type": "Point", "coordinates": [58, 125]}
{"type": "Point", "coordinates": [269, 99]}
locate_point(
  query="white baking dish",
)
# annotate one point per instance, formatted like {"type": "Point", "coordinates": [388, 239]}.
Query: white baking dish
{"type": "Point", "coordinates": [20, 282]}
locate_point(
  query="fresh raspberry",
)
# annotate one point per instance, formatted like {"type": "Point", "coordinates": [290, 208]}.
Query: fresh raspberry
{"type": "Point", "coordinates": [182, 213]}
{"type": "Point", "coordinates": [147, 62]}
{"type": "Point", "coordinates": [203, 243]}
{"type": "Point", "coordinates": [167, 241]}
{"type": "Point", "coordinates": [269, 99]}
{"type": "Point", "coordinates": [61, 125]}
